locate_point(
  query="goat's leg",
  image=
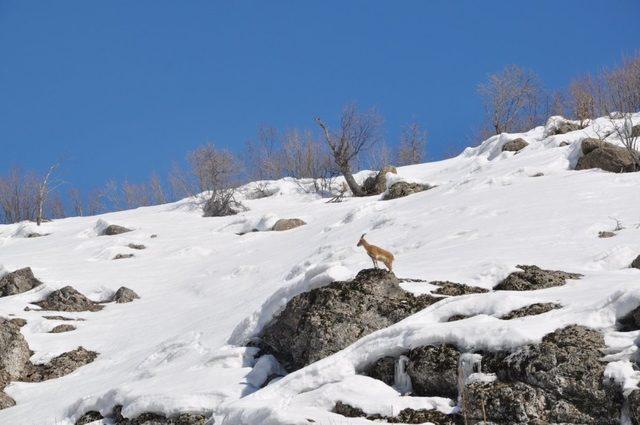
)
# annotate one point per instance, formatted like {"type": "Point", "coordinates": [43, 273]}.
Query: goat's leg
{"type": "Point", "coordinates": [375, 263]}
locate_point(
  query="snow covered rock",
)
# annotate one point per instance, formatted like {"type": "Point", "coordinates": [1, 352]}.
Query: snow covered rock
{"type": "Point", "coordinates": [68, 299]}
{"type": "Point", "coordinates": [605, 156]}
{"type": "Point", "coordinates": [287, 224]}
{"type": "Point", "coordinates": [383, 370]}
{"type": "Point", "coordinates": [515, 145]}
{"type": "Point", "coordinates": [636, 263]}
{"type": "Point", "coordinates": [89, 417]}
{"type": "Point", "coordinates": [456, 289]}
{"type": "Point", "coordinates": [559, 125]}
{"type": "Point", "coordinates": [122, 256]}
{"type": "Point", "coordinates": [18, 281]}
{"type": "Point", "coordinates": [530, 310]}
{"type": "Point", "coordinates": [401, 189]}
{"type": "Point", "coordinates": [533, 277]}
{"type": "Point", "coordinates": [137, 246]}
{"type": "Point", "coordinates": [59, 366]}
{"type": "Point", "coordinates": [375, 185]}
{"type": "Point", "coordinates": [560, 380]}
{"type": "Point", "coordinates": [114, 229]}
{"type": "Point", "coordinates": [124, 295]}
{"type": "Point", "coordinates": [316, 324]}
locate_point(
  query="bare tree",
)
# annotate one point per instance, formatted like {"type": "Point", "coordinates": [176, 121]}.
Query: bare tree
{"type": "Point", "coordinates": [381, 156]}
{"type": "Point", "coordinates": [76, 201]}
{"type": "Point", "coordinates": [622, 100]}
{"type": "Point", "coordinates": [18, 194]}
{"type": "Point", "coordinates": [157, 190]}
{"type": "Point", "coordinates": [583, 98]}
{"type": "Point", "coordinates": [215, 170]}
{"type": "Point", "coordinates": [44, 188]}
{"type": "Point", "coordinates": [95, 202]}
{"type": "Point", "coordinates": [511, 100]}
{"type": "Point", "coordinates": [413, 142]}
{"type": "Point", "coordinates": [357, 133]}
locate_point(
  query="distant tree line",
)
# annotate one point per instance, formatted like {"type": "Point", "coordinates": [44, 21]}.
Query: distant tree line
{"type": "Point", "coordinates": [514, 100]}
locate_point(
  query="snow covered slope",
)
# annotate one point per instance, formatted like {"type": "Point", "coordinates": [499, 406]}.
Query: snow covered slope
{"type": "Point", "coordinates": [205, 290]}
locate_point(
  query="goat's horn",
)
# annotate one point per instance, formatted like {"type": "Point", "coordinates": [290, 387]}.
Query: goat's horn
{"type": "Point", "coordinates": [362, 235]}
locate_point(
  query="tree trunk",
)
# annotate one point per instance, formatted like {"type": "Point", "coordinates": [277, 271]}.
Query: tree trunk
{"type": "Point", "coordinates": [356, 189]}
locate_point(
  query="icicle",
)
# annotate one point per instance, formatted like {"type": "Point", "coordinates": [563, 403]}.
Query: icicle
{"type": "Point", "coordinates": [401, 380]}
{"type": "Point", "coordinates": [468, 364]}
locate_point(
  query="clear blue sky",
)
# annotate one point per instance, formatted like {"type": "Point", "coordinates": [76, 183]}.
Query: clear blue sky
{"type": "Point", "coordinates": [123, 88]}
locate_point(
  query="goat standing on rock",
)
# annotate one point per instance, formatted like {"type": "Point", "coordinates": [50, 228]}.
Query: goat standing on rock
{"type": "Point", "coordinates": [376, 253]}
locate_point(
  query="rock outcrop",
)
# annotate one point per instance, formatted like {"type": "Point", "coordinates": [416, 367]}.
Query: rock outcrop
{"type": "Point", "coordinates": [148, 418]}
{"type": "Point", "coordinates": [375, 185]}
{"type": "Point", "coordinates": [68, 299]}
{"type": "Point", "coordinates": [402, 189]}
{"type": "Point", "coordinates": [14, 358]}
{"type": "Point", "coordinates": [17, 282]}
{"type": "Point", "coordinates": [607, 157]}
{"type": "Point", "coordinates": [515, 145]}
{"type": "Point", "coordinates": [635, 264]}
{"type": "Point", "coordinates": [114, 229]}
{"type": "Point", "coordinates": [434, 371]}
{"type": "Point", "coordinates": [124, 295]}
{"type": "Point", "coordinates": [59, 366]}
{"type": "Point", "coordinates": [287, 224]}
{"type": "Point", "coordinates": [533, 277]}
{"type": "Point", "coordinates": [318, 323]}
{"type": "Point", "coordinates": [530, 310]}
{"type": "Point", "coordinates": [560, 380]}
{"type": "Point", "coordinates": [454, 289]}
{"type": "Point", "coordinates": [406, 416]}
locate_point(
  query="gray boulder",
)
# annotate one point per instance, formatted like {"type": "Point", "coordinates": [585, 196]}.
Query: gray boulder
{"type": "Point", "coordinates": [530, 310]}
{"type": "Point", "coordinates": [605, 234]}
{"type": "Point", "coordinates": [635, 131]}
{"type": "Point", "coordinates": [14, 351]}
{"type": "Point", "coordinates": [402, 189]}
{"type": "Point", "coordinates": [59, 366]}
{"type": "Point", "coordinates": [605, 156]}
{"type": "Point", "coordinates": [18, 281]}
{"type": "Point", "coordinates": [318, 323]}
{"type": "Point", "coordinates": [636, 263]}
{"type": "Point", "coordinates": [375, 185]}
{"type": "Point", "coordinates": [533, 277]}
{"type": "Point", "coordinates": [287, 224]}
{"type": "Point", "coordinates": [515, 145]}
{"type": "Point", "coordinates": [114, 229]}
{"type": "Point", "coordinates": [434, 371]}
{"type": "Point", "coordinates": [62, 328]}
{"type": "Point", "coordinates": [124, 295]}
{"type": "Point", "coordinates": [382, 369]}
{"type": "Point", "coordinates": [137, 246]}
{"type": "Point", "coordinates": [122, 256]}
{"type": "Point", "coordinates": [631, 321]}
{"type": "Point", "coordinates": [454, 289]}
{"type": "Point", "coordinates": [68, 299]}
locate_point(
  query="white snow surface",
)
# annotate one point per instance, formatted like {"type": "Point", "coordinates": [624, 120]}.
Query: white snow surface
{"type": "Point", "coordinates": [205, 290]}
